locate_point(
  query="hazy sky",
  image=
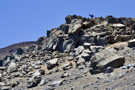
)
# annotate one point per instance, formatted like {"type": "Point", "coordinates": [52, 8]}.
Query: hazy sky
{"type": "Point", "coordinates": [26, 20]}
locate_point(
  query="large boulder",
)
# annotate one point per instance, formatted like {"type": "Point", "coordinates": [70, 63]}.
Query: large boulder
{"type": "Point", "coordinates": [52, 63]}
{"type": "Point", "coordinates": [70, 18]}
{"type": "Point", "coordinates": [12, 67]}
{"type": "Point", "coordinates": [107, 58]}
{"type": "Point", "coordinates": [75, 27]}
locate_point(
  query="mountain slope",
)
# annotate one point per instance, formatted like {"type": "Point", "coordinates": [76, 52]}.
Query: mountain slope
{"type": "Point", "coordinates": [83, 54]}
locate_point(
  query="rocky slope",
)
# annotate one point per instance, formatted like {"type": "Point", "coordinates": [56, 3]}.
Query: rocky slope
{"type": "Point", "coordinates": [82, 54]}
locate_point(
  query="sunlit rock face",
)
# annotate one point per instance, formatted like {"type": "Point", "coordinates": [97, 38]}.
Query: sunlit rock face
{"type": "Point", "coordinates": [82, 54]}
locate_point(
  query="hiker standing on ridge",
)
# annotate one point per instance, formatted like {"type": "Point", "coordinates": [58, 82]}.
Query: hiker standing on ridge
{"type": "Point", "coordinates": [91, 15]}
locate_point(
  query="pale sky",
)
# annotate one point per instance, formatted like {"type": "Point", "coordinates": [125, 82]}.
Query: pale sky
{"type": "Point", "coordinates": [27, 20]}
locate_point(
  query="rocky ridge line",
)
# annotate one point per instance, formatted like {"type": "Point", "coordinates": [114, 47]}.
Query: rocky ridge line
{"type": "Point", "coordinates": [84, 53]}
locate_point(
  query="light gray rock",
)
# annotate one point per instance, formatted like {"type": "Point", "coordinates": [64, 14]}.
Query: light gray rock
{"type": "Point", "coordinates": [118, 25]}
{"type": "Point", "coordinates": [80, 60]}
{"type": "Point", "coordinates": [131, 42]}
{"type": "Point", "coordinates": [53, 61]}
{"type": "Point", "coordinates": [85, 54]}
{"type": "Point", "coordinates": [5, 88]}
{"type": "Point", "coordinates": [70, 58]}
{"type": "Point", "coordinates": [87, 51]}
{"type": "Point", "coordinates": [36, 66]}
{"type": "Point", "coordinates": [49, 88]}
{"type": "Point", "coordinates": [94, 48]}
{"type": "Point", "coordinates": [112, 60]}
{"type": "Point", "coordinates": [75, 26]}
{"type": "Point", "coordinates": [65, 75]}
{"type": "Point", "coordinates": [79, 50]}
{"type": "Point", "coordinates": [104, 23]}
{"type": "Point", "coordinates": [17, 74]}
{"type": "Point", "coordinates": [14, 83]}
{"type": "Point", "coordinates": [33, 81]}
{"type": "Point", "coordinates": [87, 44]}
{"type": "Point", "coordinates": [128, 66]}
{"type": "Point", "coordinates": [2, 84]}
{"type": "Point", "coordinates": [3, 68]}
{"type": "Point", "coordinates": [66, 66]}
{"type": "Point", "coordinates": [123, 67]}
{"type": "Point", "coordinates": [37, 73]}
{"type": "Point", "coordinates": [43, 82]}
{"type": "Point", "coordinates": [0, 76]}
{"type": "Point", "coordinates": [106, 58]}
{"type": "Point", "coordinates": [109, 69]}
{"type": "Point", "coordinates": [12, 67]}
{"type": "Point", "coordinates": [56, 83]}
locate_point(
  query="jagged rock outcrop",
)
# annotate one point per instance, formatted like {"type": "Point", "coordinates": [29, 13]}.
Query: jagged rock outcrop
{"type": "Point", "coordinates": [83, 49]}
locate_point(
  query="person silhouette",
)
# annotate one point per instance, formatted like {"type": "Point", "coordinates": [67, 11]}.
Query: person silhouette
{"type": "Point", "coordinates": [91, 15]}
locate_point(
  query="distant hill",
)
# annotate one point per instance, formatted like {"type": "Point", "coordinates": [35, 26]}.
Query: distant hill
{"type": "Point", "coordinates": [5, 51]}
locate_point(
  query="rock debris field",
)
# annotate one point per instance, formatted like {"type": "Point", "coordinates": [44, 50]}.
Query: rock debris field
{"type": "Point", "coordinates": [83, 54]}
